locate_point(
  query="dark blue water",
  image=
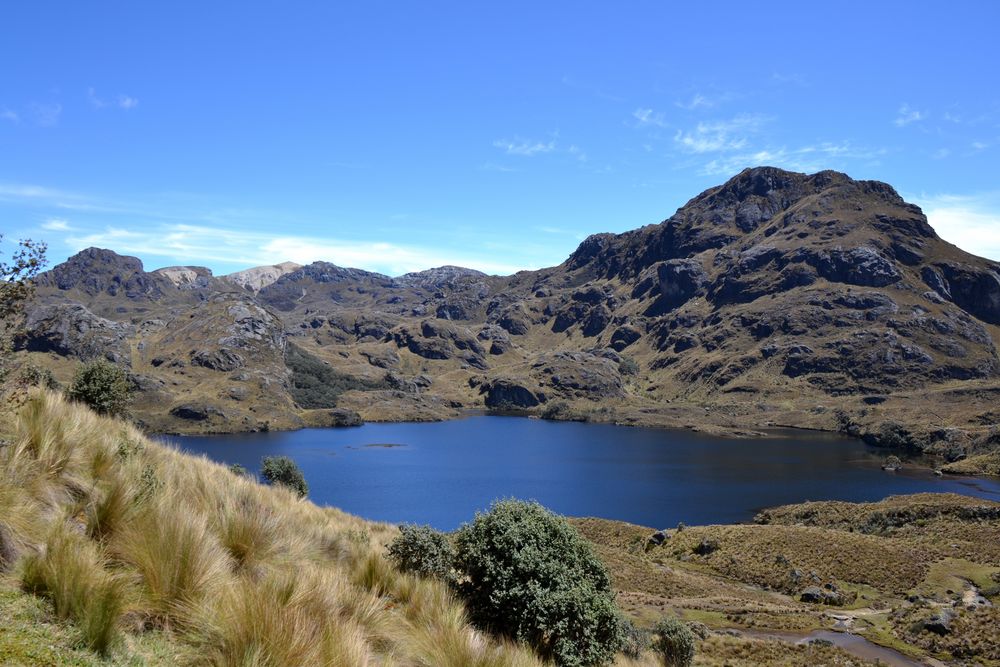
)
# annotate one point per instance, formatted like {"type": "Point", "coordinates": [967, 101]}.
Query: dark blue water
{"type": "Point", "coordinates": [443, 472]}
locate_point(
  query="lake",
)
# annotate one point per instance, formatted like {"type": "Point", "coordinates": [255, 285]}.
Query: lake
{"type": "Point", "coordinates": [441, 473]}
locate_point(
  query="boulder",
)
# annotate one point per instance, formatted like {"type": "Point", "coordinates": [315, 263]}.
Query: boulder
{"type": "Point", "coordinates": [342, 417]}
{"type": "Point", "coordinates": [196, 412]}
{"type": "Point", "coordinates": [71, 330]}
{"type": "Point", "coordinates": [681, 280]}
{"type": "Point", "coordinates": [624, 336]}
{"type": "Point", "coordinates": [222, 359]}
{"type": "Point", "coordinates": [501, 393]}
{"type": "Point", "coordinates": [940, 622]}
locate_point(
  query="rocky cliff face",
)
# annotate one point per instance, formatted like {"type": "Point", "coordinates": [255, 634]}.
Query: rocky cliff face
{"type": "Point", "coordinates": [776, 295]}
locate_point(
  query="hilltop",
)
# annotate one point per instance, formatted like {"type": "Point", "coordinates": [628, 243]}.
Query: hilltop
{"type": "Point", "coordinates": [814, 300]}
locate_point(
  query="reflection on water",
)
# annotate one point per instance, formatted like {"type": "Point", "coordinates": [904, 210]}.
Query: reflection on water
{"type": "Point", "coordinates": [441, 473]}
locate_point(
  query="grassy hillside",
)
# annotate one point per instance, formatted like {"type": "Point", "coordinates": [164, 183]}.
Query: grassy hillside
{"type": "Point", "coordinates": [149, 556]}
{"type": "Point", "coordinates": [117, 550]}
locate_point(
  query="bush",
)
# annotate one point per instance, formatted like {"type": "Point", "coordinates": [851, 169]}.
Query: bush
{"type": "Point", "coordinates": [628, 366]}
{"type": "Point", "coordinates": [240, 470]}
{"type": "Point", "coordinates": [674, 642]}
{"type": "Point", "coordinates": [635, 640]}
{"type": "Point", "coordinates": [423, 551]}
{"type": "Point", "coordinates": [36, 376]}
{"type": "Point", "coordinates": [530, 576]}
{"type": "Point", "coordinates": [282, 470]}
{"type": "Point", "coordinates": [102, 386]}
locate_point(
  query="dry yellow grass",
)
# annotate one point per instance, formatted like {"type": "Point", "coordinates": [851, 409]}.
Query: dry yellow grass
{"type": "Point", "coordinates": [127, 536]}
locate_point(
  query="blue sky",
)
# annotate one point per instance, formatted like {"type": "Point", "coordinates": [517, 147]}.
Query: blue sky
{"type": "Point", "coordinates": [400, 136]}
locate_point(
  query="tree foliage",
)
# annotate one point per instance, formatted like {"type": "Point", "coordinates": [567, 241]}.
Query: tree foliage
{"type": "Point", "coordinates": [423, 551]}
{"type": "Point", "coordinates": [674, 642]}
{"type": "Point", "coordinates": [103, 386]}
{"type": "Point", "coordinates": [283, 470]}
{"type": "Point", "coordinates": [530, 576]}
{"type": "Point", "coordinates": [16, 287]}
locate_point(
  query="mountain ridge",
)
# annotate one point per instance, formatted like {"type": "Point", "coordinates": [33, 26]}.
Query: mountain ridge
{"type": "Point", "coordinates": [761, 298]}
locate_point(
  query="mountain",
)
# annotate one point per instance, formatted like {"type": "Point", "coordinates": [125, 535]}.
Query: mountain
{"type": "Point", "coordinates": [774, 298]}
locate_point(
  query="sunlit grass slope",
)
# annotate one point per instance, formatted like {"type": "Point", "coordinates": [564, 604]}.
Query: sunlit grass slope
{"type": "Point", "coordinates": [145, 555]}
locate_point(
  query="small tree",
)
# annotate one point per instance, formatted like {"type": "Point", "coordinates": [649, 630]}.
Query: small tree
{"type": "Point", "coordinates": [282, 470]}
{"type": "Point", "coordinates": [104, 387]}
{"type": "Point", "coordinates": [528, 575]}
{"type": "Point", "coordinates": [16, 287]}
{"type": "Point", "coordinates": [674, 642]}
{"type": "Point", "coordinates": [423, 551]}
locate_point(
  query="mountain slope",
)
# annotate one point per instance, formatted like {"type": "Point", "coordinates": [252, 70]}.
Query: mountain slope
{"type": "Point", "coordinates": [777, 297]}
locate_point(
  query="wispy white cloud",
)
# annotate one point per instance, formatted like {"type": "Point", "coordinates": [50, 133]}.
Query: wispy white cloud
{"type": "Point", "coordinates": [720, 136]}
{"type": "Point", "coordinates": [45, 115]}
{"type": "Point", "coordinates": [577, 153]}
{"type": "Point", "coordinates": [697, 101]}
{"type": "Point", "coordinates": [979, 145]}
{"type": "Point", "coordinates": [524, 147]}
{"type": "Point", "coordinates": [122, 101]}
{"type": "Point", "coordinates": [941, 153]}
{"type": "Point", "coordinates": [645, 116]}
{"type": "Point", "coordinates": [188, 244]}
{"type": "Point", "coordinates": [9, 115]}
{"type": "Point", "coordinates": [94, 100]}
{"type": "Point", "coordinates": [972, 222]}
{"type": "Point", "coordinates": [805, 158]}
{"type": "Point", "coordinates": [56, 225]}
{"type": "Point", "coordinates": [908, 114]}
{"type": "Point", "coordinates": [493, 166]}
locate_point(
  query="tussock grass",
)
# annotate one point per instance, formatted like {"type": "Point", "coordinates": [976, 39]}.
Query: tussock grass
{"type": "Point", "coordinates": [69, 570]}
{"type": "Point", "coordinates": [130, 538]}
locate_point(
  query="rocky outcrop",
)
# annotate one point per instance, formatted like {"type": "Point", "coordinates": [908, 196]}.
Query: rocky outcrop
{"type": "Point", "coordinates": [96, 271]}
{"type": "Point", "coordinates": [681, 280]}
{"type": "Point", "coordinates": [259, 277]}
{"type": "Point", "coordinates": [504, 393]}
{"type": "Point", "coordinates": [71, 330]}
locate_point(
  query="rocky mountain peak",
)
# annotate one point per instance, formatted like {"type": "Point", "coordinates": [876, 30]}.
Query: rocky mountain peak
{"type": "Point", "coordinates": [96, 270]}
{"type": "Point", "coordinates": [438, 277]}
{"type": "Point", "coordinates": [259, 277]}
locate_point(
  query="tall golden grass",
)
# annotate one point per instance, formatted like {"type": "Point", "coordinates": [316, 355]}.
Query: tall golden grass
{"type": "Point", "coordinates": [125, 534]}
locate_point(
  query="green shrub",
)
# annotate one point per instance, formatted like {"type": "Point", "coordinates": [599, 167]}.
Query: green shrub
{"type": "Point", "coordinates": [240, 470]}
{"type": "Point", "coordinates": [529, 576]}
{"type": "Point", "coordinates": [635, 640]}
{"type": "Point", "coordinates": [423, 551]}
{"type": "Point", "coordinates": [31, 375]}
{"type": "Point", "coordinates": [102, 386]}
{"type": "Point", "coordinates": [674, 642]}
{"type": "Point", "coordinates": [282, 470]}
{"type": "Point", "coordinates": [628, 366]}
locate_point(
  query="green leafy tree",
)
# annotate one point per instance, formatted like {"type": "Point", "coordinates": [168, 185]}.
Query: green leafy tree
{"type": "Point", "coordinates": [282, 470]}
{"type": "Point", "coordinates": [528, 575]}
{"type": "Point", "coordinates": [674, 642]}
{"type": "Point", "coordinates": [423, 551]}
{"type": "Point", "coordinates": [16, 287]}
{"type": "Point", "coordinates": [104, 387]}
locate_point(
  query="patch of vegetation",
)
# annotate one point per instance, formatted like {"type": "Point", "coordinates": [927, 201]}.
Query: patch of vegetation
{"type": "Point", "coordinates": [529, 575]}
{"type": "Point", "coordinates": [213, 568]}
{"type": "Point", "coordinates": [316, 385]}
{"type": "Point", "coordinates": [423, 551]}
{"type": "Point", "coordinates": [103, 387]}
{"type": "Point", "coordinates": [16, 286]}
{"type": "Point", "coordinates": [283, 470]}
{"type": "Point", "coordinates": [674, 642]}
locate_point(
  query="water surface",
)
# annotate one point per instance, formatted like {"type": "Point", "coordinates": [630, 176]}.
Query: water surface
{"type": "Point", "coordinates": [441, 473]}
